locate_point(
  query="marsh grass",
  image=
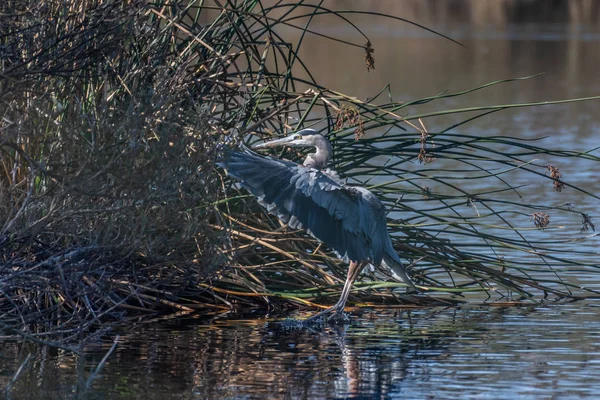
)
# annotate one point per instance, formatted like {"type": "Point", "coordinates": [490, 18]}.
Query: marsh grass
{"type": "Point", "coordinates": [112, 115]}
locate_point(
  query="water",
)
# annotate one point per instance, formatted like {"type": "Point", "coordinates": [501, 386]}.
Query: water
{"type": "Point", "coordinates": [443, 353]}
{"type": "Point", "coordinates": [550, 351]}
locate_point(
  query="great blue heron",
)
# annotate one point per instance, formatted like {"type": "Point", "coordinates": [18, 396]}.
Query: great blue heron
{"type": "Point", "coordinates": [349, 219]}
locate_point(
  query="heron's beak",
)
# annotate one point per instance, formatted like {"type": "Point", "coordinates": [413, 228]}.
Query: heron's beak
{"type": "Point", "coordinates": [274, 143]}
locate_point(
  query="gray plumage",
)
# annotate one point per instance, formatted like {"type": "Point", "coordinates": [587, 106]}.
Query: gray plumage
{"type": "Point", "coordinates": [350, 220]}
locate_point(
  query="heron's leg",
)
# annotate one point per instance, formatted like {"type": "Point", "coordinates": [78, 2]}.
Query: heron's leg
{"type": "Point", "coordinates": [353, 271]}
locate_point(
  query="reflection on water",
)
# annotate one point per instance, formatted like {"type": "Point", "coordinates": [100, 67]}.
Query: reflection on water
{"type": "Point", "coordinates": [435, 353]}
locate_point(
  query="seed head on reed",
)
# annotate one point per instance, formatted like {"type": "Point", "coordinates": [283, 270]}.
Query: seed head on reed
{"type": "Point", "coordinates": [540, 219]}
{"type": "Point", "coordinates": [350, 117]}
{"type": "Point", "coordinates": [424, 157]}
{"type": "Point", "coordinates": [556, 175]}
{"type": "Point", "coordinates": [369, 60]}
{"type": "Point", "coordinates": [586, 222]}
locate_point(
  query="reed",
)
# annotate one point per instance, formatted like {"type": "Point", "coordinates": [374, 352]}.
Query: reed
{"type": "Point", "coordinates": [112, 116]}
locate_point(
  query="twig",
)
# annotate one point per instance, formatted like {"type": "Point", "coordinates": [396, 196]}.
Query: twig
{"type": "Point", "coordinates": [16, 376]}
{"type": "Point", "coordinates": [99, 367]}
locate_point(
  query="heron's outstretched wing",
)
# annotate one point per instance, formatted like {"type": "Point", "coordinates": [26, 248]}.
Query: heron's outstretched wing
{"type": "Point", "coordinates": [349, 220]}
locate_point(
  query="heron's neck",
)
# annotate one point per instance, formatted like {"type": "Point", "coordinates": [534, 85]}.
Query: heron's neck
{"type": "Point", "coordinates": [320, 159]}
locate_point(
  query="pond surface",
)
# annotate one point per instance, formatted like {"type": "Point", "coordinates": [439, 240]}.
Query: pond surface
{"type": "Point", "coordinates": [549, 351]}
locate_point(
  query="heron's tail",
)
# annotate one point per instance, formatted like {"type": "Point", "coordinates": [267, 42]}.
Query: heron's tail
{"type": "Point", "coordinates": [392, 260]}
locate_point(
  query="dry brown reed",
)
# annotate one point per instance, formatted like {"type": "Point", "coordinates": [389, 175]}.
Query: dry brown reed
{"type": "Point", "coordinates": [105, 168]}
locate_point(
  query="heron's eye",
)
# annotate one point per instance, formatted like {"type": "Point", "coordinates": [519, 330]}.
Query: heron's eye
{"type": "Point", "coordinates": [297, 137]}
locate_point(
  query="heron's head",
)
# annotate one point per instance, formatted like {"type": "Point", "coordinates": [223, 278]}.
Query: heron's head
{"type": "Point", "coordinates": [303, 138]}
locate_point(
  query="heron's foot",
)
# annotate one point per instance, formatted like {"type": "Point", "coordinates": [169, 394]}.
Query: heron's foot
{"type": "Point", "coordinates": [335, 315]}
{"type": "Point", "coordinates": [318, 317]}
{"type": "Point", "coordinates": [338, 317]}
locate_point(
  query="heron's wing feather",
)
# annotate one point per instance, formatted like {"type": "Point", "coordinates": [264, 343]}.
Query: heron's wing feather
{"type": "Point", "coordinates": [349, 220]}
